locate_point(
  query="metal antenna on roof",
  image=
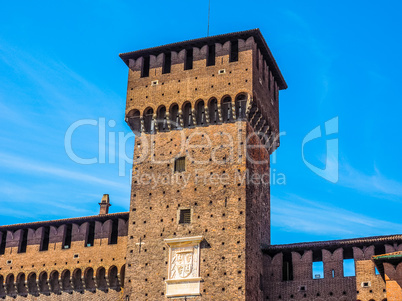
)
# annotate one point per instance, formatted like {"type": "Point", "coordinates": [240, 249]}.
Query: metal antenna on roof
{"type": "Point", "coordinates": [209, 15]}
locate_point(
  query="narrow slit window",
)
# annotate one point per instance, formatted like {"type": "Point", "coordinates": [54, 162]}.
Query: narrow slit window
{"type": "Point", "coordinates": [185, 216]}
{"type": "Point", "coordinates": [68, 236]}
{"type": "Point", "coordinates": [211, 55]}
{"type": "Point", "coordinates": [90, 235]}
{"type": "Point", "coordinates": [115, 232]}
{"type": "Point", "coordinates": [24, 241]}
{"type": "Point", "coordinates": [167, 63]}
{"type": "Point", "coordinates": [188, 64]}
{"type": "Point", "coordinates": [234, 51]}
{"type": "Point", "coordinates": [145, 67]}
{"type": "Point", "coordinates": [3, 242]}
{"type": "Point", "coordinates": [45, 239]}
{"type": "Point", "coordinates": [180, 164]}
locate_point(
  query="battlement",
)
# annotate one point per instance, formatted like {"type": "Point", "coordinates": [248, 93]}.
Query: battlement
{"type": "Point", "coordinates": [64, 256]}
{"type": "Point", "coordinates": [289, 269]}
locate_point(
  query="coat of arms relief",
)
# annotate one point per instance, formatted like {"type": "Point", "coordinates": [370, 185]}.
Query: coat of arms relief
{"type": "Point", "coordinates": [184, 266]}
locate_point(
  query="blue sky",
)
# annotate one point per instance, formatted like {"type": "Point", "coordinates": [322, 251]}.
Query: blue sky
{"type": "Point", "coordinates": [59, 63]}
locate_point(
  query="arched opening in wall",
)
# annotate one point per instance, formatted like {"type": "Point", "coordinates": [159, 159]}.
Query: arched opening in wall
{"type": "Point", "coordinates": [101, 279]}
{"type": "Point", "coordinates": [187, 115]}
{"type": "Point", "coordinates": [113, 278]}
{"type": "Point", "coordinates": [89, 279]}
{"type": "Point", "coordinates": [65, 281]}
{"type": "Point", "coordinates": [122, 275]}
{"type": "Point", "coordinates": [114, 234]}
{"type": "Point", "coordinates": [161, 119]}
{"type": "Point", "coordinates": [21, 289]}
{"type": "Point", "coordinates": [2, 290]}
{"type": "Point", "coordinates": [54, 282]}
{"type": "Point", "coordinates": [227, 109]}
{"type": "Point", "coordinates": [67, 236]}
{"type": "Point", "coordinates": [3, 242]}
{"type": "Point", "coordinates": [90, 235]}
{"type": "Point", "coordinates": [10, 287]}
{"type": "Point", "coordinates": [200, 109]}
{"type": "Point", "coordinates": [318, 265]}
{"type": "Point", "coordinates": [44, 244]}
{"type": "Point", "coordinates": [213, 111]}
{"type": "Point", "coordinates": [287, 267]}
{"type": "Point", "coordinates": [77, 280]}
{"type": "Point", "coordinates": [134, 121]}
{"type": "Point", "coordinates": [241, 106]}
{"type": "Point", "coordinates": [174, 117]}
{"type": "Point", "coordinates": [24, 241]}
{"type": "Point", "coordinates": [32, 286]}
{"type": "Point", "coordinates": [349, 269]}
{"type": "Point", "coordinates": [43, 284]}
{"type": "Point", "coordinates": [234, 51]}
{"type": "Point", "coordinates": [149, 126]}
{"type": "Point", "coordinates": [211, 55]}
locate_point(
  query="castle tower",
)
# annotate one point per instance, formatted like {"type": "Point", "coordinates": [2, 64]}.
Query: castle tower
{"type": "Point", "coordinates": [205, 114]}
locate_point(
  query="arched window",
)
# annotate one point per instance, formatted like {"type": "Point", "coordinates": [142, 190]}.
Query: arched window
{"type": "Point", "coordinates": [201, 120]}
{"type": "Point", "coordinates": [227, 109]}
{"type": "Point", "coordinates": [134, 121]}
{"type": "Point", "coordinates": [10, 287]}
{"type": "Point", "coordinates": [65, 280]}
{"type": "Point", "coordinates": [149, 121]}
{"type": "Point", "coordinates": [113, 279]}
{"type": "Point", "coordinates": [161, 119]}
{"type": "Point", "coordinates": [54, 282]}
{"type": "Point", "coordinates": [21, 289]}
{"type": "Point", "coordinates": [241, 104]}
{"type": "Point", "coordinates": [43, 286]}
{"type": "Point", "coordinates": [187, 115]}
{"type": "Point", "coordinates": [89, 279]}
{"type": "Point", "coordinates": [101, 278]}
{"type": "Point", "coordinates": [174, 117]}
{"type": "Point", "coordinates": [213, 111]}
{"type": "Point", "coordinates": [122, 275]}
{"type": "Point", "coordinates": [32, 286]}
{"type": "Point", "coordinates": [77, 280]}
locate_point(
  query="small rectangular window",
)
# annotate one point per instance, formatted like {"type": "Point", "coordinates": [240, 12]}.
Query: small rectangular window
{"type": "Point", "coordinates": [44, 246]}
{"type": "Point", "coordinates": [145, 67]}
{"type": "Point", "coordinates": [180, 164]}
{"type": "Point", "coordinates": [234, 51]}
{"type": "Point", "coordinates": [68, 237]}
{"type": "Point", "coordinates": [211, 55]}
{"type": "Point", "coordinates": [185, 216]}
{"type": "Point", "coordinates": [23, 242]}
{"type": "Point", "coordinates": [188, 64]}
{"type": "Point", "coordinates": [167, 63]}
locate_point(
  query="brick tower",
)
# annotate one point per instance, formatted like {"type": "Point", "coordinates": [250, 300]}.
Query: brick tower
{"type": "Point", "coordinates": [205, 114]}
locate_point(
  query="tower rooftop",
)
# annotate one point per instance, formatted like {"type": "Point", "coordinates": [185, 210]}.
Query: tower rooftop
{"type": "Point", "coordinates": [200, 42]}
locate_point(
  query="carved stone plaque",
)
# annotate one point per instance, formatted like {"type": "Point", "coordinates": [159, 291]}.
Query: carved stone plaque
{"type": "Point", "coordinates": [184, 266]}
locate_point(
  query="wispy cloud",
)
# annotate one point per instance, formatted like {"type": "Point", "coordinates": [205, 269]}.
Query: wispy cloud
{"type": "Point", "coordinates": [375, 184]}
{"type": "Point", "coordinates": [20, 163]}
{"type": "Point", "coordinates": [296, 214]}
